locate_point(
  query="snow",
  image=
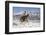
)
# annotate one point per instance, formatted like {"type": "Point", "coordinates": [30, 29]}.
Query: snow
{"type": "Point", "coordinates": [26, 24]}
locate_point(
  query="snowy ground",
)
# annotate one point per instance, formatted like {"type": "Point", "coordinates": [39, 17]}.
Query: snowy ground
{"type": "Point", "coordinates": [30, 23]}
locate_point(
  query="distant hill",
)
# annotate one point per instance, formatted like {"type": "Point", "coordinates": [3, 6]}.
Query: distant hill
{"type": "Point", "coordinates": [34, 16]}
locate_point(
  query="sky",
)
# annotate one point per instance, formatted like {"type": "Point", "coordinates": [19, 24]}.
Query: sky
{"type": "Point", "coordinates": [28, 9]}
